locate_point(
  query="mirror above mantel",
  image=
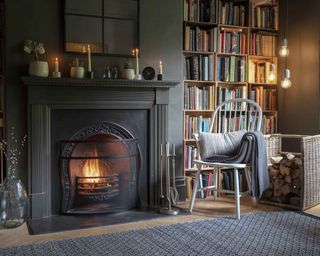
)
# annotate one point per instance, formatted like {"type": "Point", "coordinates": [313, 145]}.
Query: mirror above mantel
{"type": "Point", "coordinates": [109, 26]}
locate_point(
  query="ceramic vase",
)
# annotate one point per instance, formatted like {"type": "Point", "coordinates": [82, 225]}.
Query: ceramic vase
{"type": "Point", "coordinates": [39, 68]}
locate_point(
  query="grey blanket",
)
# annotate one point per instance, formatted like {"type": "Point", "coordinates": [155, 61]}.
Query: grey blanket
{"type": "Point", "coordinates": [252, 150]}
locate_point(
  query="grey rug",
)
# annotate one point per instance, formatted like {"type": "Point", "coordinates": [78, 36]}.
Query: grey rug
{"type": "Point", "coordinates": [270, 233]}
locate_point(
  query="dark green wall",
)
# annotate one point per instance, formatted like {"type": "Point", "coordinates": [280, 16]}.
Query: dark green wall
{"type": "Point", "coordinates": [42, 21]}
{"type": "Point", "coordinates": [299, 106]}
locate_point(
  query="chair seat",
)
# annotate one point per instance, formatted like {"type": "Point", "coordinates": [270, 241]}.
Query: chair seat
{"type": "Point", "coordinates": [222, 165]}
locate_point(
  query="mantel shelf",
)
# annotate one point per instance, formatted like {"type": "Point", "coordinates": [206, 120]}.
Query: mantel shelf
{"type": "Point", "coordinates": [49, 81]}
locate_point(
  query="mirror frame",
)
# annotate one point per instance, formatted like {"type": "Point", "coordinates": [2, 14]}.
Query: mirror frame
{"type": "Point", "coordinates": [103, 53]}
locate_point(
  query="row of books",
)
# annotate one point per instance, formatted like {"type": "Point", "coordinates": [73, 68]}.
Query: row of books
{"type": "Point", "coordinates": [232, 42]}
{"type": "Point", "coordinates": [205, 180]}
{"type": "Point", "coordinates": [226, 179]}
{"type": "Point", "coordinates": [259, 72]}
{"type": "Point", "coordinates": [198, 68]}
{"type": "Point", "coordinates": [269, 124]}
{"type": "Point", "coordinates": [199, 39]}
{"type": "Point", "coordinates": [265, 17]}
{"type": "Point", "coordinates": [198, 98]}
{"type": "Point", "coordinates": [231, 93]}
{"type": "Point", "coordinates": [263, 45]}
{"type": "Point", "coordinates": [232, 13]}
{"type": "Point", "coordinates": [231, 69]}
{"type": "Point", "coordinates": [190, 153]}
{"type": "Point", "coordinates": [195, 124]}
{"type": "Point", "coordinates": [266, 98]}
{"type": "Point", "coordinates": [200, 10]}
{"type": "Point", "coordinates": [234, 123]}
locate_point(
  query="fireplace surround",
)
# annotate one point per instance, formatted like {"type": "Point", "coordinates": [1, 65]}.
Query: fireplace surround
{"type": "Point", "coordinates": [53, 101]}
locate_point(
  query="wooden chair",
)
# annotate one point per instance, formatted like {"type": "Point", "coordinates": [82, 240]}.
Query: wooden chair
{"type": "Point", "coordinates": [231, 115]}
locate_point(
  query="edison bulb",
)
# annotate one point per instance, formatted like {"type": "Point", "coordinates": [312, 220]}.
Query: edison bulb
{"type": "Point", "coordinates": [286, 82]}
{"type": "Point", "coordinates": [284, 50]}
{"type": "Point", "coordinates": [272, 75]}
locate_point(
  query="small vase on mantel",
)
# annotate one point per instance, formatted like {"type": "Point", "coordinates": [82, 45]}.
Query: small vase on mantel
{"type": "Point", "coordinates": [39, 68]}
{"type": "Point", "coordinates": [14, 203]}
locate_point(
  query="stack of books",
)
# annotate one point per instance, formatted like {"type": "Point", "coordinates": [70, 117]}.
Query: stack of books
{"type": "Point", "coordinates": [231, 69]}
{"type": "Point", "coordinates": [198, 68]}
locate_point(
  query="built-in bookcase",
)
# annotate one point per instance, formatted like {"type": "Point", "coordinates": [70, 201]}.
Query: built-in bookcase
{"type": "Point", "coordinates": [228, 48]}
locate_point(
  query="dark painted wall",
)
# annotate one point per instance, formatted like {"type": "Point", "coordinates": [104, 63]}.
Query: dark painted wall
{"type": "Point", "coordinates": [42, 21]}
{"type": "Point", "coordinates": [299, 106]}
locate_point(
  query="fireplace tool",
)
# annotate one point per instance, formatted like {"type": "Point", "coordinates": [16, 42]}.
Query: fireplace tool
{"type": "Point", "coordinates": [171, 191]}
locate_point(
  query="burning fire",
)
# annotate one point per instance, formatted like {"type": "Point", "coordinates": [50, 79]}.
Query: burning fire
{"type": "Point", "coordinates": [92, 169]}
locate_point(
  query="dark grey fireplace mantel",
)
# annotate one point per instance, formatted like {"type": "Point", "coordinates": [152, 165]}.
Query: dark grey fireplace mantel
{"type": "Point", "coordinates": [47, 94]}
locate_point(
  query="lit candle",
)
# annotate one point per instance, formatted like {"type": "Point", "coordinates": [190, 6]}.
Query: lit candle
{"type": "Point", "coordinates": [89, 58]}
{"type": "Point", "coordinates": [160, 67]}
{"type": "Point", "coordinates": [137, 60]}
{"type": "Point", "coordinates": [56, 65]}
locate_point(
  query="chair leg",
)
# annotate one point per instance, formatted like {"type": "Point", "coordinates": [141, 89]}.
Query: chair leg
{"type": "Point", "coordinates": [237, 192]}
{"type": "Point", "coordinates": [195, 188]}
{"type": "Point", "coordinates": [216, 181]}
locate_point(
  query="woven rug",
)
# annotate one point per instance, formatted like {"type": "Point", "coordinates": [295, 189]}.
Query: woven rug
{"type": "Point", "coordinates": [270, 233]}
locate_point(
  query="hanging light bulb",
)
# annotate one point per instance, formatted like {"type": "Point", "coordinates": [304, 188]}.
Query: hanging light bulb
{"type": "Point", "coordinates": [284, 50]}
{"type": "Point", "coordinates": [286, 83]}
{"type": "Point", "coordinates": [272, 75]}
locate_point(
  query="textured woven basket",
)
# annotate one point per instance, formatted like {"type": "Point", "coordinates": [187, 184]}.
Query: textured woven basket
{"type": "Point", "coordinates": [310, 155]}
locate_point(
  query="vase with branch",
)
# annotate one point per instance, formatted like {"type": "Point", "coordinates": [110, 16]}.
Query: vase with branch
{"type": "Point", "coordinates": [14, 203]}
{"type": "Point", "coordinates": [36, 67]}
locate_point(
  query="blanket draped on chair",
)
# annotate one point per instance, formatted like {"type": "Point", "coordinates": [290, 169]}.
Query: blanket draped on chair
{"type": "Point", "coordinates": [249, 148]}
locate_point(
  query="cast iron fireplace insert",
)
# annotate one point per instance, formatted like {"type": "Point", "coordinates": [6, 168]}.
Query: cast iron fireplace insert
{"type": "Point", "coordinates": [100, 172]}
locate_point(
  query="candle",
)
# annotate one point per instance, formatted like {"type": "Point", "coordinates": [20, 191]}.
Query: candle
{"type": "Point", "coordinates": [56, 65]}
{"type": "Point", "coordinates": [137, 60]}
{"type": "Point", "coordinates": [160, 67]}
{"type": "Point", "coordinates": [173, 149]}
{"type": "Point", "coordinates": [89, 58]}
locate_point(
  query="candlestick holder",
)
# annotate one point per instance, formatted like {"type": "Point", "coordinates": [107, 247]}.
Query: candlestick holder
{"type": "Point", "coordinates": [138, 77]}
{"type": "Point", "coordinates": [160, 77]}
{"type": "Point", "coordinates": [90, 74]}
{"type": "Point", "coordinates": [56, 74]}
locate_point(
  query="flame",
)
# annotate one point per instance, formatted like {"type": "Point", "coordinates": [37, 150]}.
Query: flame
{"type": "Point", "coordinates": [91, 168]}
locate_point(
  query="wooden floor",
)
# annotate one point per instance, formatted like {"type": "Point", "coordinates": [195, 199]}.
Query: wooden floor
{"type": "Point", "coordinates": [203, 209]}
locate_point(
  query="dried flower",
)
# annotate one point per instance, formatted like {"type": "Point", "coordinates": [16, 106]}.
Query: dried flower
{"type": "Point", "coordinates": [33, 47]}
{"type": "Point", "coordinates": [12, 149]}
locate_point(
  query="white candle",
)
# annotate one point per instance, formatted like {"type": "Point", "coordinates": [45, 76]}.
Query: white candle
{"type": "Point", "coordinates": [173, 149]}
{"type": "Point", "coordinates": [137, 60]}
{"type": "Point", "coordinates": [160, 67]}
{"type": "Point", "coordinates": [56, 65]}
{"type": "Point", "coordinates": [89, 58]}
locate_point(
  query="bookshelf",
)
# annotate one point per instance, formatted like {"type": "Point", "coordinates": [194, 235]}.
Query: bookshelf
{"type": "Point", "coordinates": [2, 81]}
{"type": "Point", "coordinates": [229, 48]}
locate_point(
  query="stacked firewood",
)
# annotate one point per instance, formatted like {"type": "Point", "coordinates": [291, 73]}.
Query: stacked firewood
{"type": "Point", "coordinates": [285, 180]}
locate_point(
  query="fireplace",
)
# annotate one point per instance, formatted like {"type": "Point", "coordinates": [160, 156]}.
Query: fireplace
{"type": "Point", "coordinates": [99, 167]}
{"type": "Point", "coordinates": [93, 144]}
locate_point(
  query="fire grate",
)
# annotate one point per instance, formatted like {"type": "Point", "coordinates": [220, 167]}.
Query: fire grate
{"type": "Point", "coordinates": [105, 186]}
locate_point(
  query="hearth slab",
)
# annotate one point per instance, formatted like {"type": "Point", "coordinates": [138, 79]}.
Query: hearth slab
{"type": "Point", "coordinates": [60, 223]}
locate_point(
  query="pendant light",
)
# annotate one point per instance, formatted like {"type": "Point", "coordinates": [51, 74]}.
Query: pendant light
{"type": "Point", "coordinates": [286, 82]}
{"type": "Point", "coordinates": [284, 50]}
{"type": "Point", "coordinates": [272, 75]}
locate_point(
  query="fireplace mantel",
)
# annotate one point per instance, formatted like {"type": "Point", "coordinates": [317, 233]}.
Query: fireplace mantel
{"type": "Point", "coordinates": [46, 95]}
{"type": "Point", "coordinates": [108, 83]}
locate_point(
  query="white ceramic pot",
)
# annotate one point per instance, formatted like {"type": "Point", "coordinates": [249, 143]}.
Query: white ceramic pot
{"type": "Point", "coordinates": [77, 72]}
{"type": "Point", "coordinates": [127, 73]}
{"type": "Point", "coordinates": [39, 68]}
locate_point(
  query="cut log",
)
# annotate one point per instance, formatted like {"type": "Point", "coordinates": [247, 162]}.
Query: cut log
{"type": "Point", "coordinates": [287, 179]}
{"type": "Point", "coordinates": [284, 170]}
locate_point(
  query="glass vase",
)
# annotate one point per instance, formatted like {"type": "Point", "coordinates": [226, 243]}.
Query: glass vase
{"type": "Point", "coordinates": [14, 203]}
